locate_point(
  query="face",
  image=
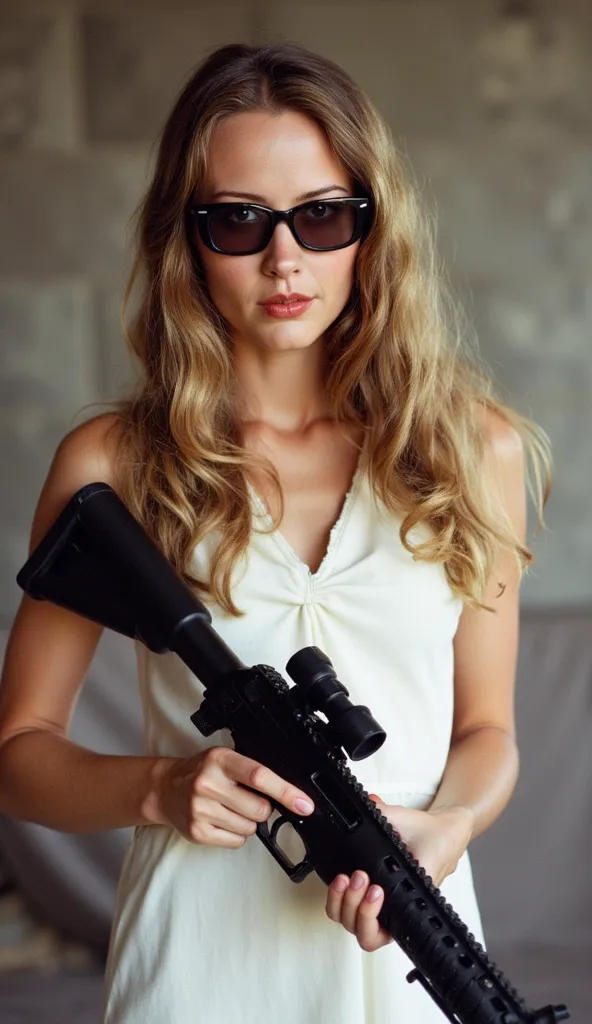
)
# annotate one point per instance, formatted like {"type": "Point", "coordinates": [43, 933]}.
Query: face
{"type": "Point", "coordinates": [278, 158]}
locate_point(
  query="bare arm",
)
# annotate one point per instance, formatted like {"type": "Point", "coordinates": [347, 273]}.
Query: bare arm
{"type": "Point", "coordinates": [48, 779]}
{"type": "Point", "coordinates": [45, 777]}
{"type": "Point", "coordinates": [483, 763]}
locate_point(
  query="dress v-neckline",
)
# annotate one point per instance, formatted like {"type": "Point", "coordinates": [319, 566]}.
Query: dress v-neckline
{"type": "Point", "coordinates": [334, 536]}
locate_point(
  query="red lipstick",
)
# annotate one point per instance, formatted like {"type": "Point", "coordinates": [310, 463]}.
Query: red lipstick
{"type": "Point", "coordinates": [286, 306]}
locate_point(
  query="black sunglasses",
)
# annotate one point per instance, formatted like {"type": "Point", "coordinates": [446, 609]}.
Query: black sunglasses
{"type": "Point", "coordinates": [241, 229]}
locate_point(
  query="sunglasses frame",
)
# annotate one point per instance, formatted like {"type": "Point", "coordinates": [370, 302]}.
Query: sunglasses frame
{"type": "Point", "coordinates": [362, 205]}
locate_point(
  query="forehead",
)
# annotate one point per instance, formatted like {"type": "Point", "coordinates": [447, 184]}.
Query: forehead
{"type": "Point", "coordinates": [262, 153]}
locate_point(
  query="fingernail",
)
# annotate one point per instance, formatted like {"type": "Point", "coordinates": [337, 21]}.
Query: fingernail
{"type": "Point", "coordinates": [341, 884]}
{"type": "Point", "coordinates": [373, 893]}
{"type": "Point", "coordinates": [357, 880]}
{"type": "Point", "coordinates": [304, 806]}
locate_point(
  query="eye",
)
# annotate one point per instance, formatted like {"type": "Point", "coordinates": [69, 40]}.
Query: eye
{"type": "Point", "coordinates": [319, 211]}
{"type": "Point", "coordinates": [241, 214]}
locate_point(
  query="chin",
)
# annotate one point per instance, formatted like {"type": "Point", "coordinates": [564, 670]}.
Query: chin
{"type": "Point", "coordinates": [291, 340]}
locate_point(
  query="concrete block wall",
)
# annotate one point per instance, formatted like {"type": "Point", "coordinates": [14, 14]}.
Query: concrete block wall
{"type": "Point", "coordinates": [490, 101]}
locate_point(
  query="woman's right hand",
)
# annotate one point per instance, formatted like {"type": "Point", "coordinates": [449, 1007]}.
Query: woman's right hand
{"type": "Point", "coordinates": [206, 798]}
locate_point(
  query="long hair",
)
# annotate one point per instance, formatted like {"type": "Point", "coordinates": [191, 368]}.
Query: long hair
{"type": "Point", "coordinates": [401, 365]}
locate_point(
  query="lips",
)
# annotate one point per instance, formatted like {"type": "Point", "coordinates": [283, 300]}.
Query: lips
{"type": "Point", "coordinates": [286, 310]}
{"type": "Point", "coordinates": [280, 299]}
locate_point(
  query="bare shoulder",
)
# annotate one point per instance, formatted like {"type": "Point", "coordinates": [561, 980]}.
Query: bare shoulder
{"type": "Point", "coordinates": [504, 455]}
{"type": "Point", "coordinates": [87, 454]}
{"type": "Point", "coordinates": [94, 442]}
{"type": "Point", "coordinates": [504, 465]}
{"type": "Point", "coordinates": [503, 441]}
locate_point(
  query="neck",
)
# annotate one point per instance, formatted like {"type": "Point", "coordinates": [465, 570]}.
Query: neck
{"type": "Point", "coordinates": [282, 391]}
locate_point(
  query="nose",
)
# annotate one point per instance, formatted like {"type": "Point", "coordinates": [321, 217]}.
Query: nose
{"type": "Point", "coordinates": [283, 253]}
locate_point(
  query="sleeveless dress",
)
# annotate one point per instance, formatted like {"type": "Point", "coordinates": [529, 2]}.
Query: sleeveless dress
{"type": "Point", "coordinates": [207, 935]}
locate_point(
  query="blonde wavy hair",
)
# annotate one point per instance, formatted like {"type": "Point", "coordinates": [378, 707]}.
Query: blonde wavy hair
{"type": "Point", "coordinates": [401, 363]}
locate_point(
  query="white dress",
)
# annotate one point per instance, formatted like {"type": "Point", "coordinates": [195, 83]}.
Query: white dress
{"type": "Point", "coordinates": [207, 935]}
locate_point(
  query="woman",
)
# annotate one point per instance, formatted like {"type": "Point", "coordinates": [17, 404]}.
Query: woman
{"type": "Point", "coordinates": [333, 470]}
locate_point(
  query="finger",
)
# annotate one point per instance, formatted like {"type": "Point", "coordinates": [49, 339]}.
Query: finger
{"type": "Point", "coordinates": [206, 834]}
{"type": "Point", "coordinates": [369, 932]}
{"type": "Point", "coordinates": [244, 774]}
{"type": "Point", "coordinates": [217, 785]}
{"type": "Point", "coordinates": [264, 780]}
{"type": "Point", "coordinates": [217, 815]}
{"type": "Point", "coordinates": [335, 897]}
{"type": "Point", "coordinates": [352, 897]}
{"type": "Point", "coordinates": [229, 840]}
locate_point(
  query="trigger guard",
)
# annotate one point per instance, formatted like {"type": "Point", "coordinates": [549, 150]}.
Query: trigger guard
{"type": "Point", "coordinates": [295, 872]}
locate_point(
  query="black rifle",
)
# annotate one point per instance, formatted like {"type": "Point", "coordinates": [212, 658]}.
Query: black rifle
{"type": "Point", "coordinates": [98, 561]}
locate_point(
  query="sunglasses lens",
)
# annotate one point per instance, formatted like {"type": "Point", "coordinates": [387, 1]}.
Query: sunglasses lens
{"type": "Point", "coordinates": [241, 230]}
{"type": "Point", "coordinates": [326, 225]}
{"type": "Point", "coordinates": [238, 229]}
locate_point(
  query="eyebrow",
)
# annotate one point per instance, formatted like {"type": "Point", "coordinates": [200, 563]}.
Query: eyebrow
{"type": "Point", "coordinates": [305, 195]}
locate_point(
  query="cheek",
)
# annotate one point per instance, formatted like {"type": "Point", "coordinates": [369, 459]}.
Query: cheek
{"type": "Point", "coordinates": [228, 280]}
{"type": "Point", "coordinates": [337, 274]}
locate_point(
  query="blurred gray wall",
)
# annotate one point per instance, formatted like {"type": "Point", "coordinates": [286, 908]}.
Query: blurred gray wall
{"type": "Point", "coordinates": [490, 100]}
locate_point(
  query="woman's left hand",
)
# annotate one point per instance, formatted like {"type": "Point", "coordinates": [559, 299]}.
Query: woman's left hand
{"type": "Point", "coordinates": [437, 839]}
